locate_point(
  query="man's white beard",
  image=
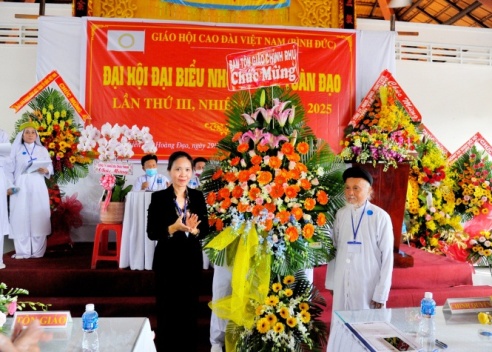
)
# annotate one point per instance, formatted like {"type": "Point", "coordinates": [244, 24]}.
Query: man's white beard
{"type": "Point", "coordinates": [354, 206]}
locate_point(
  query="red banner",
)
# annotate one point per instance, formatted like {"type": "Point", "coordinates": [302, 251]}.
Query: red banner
{"type": "Point", "coordinates": [51, 77]}
{"type": "Point", "coordinates": [386, 79]}
{"type": "Point", "coordinates": [476, 138]}
{"type": "Point", "coordinates": [172, 78]}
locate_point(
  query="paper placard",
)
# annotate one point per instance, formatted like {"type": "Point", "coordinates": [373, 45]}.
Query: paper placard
{"type": "Point", "coordinates": [54, 319]}
{"type": "Point", "coordinates": [113, 168]}
{"type": "Point", "coordinates": [37, 164]}
{"type": "Point", "coordinates": [277, 65]}
{"type": "Point", "coordinates": [467, 305]}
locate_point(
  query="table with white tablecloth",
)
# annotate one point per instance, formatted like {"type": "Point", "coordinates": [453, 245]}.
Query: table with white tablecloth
{"type": "Point", "coordinates": [114, 335]}
{"type": "Point", "coordinates": [137, 251]}
{"type": "Point", "coordinates": [460, 333]}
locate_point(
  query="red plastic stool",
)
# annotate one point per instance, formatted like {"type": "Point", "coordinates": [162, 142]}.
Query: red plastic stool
{"type": "Point", "coordinates": [101, 250]}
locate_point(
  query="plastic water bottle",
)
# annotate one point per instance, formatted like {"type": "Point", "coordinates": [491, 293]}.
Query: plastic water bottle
{"type": "Point", "coordinates": [427, 327]}
{"type": "Point", "coordinates": [159, 183]}
{"type": "Point", "coordinates": [90, 323]}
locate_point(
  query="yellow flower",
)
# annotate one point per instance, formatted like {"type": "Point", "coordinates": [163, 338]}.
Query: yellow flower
{"type": "Point", "coordinates": [271, 300]}
{"type": "Point", "coordinates": [284, 312]}
{"type": "Point", "coordinates": [305, 316]}
{"type": "Point", "coordinates": [484, 318]}
{"type": "Point", "coordinates": [263, 326]}
{"type": "Point", "coordinates": [291, 321]}
{"type": "Point", "coordinates": [279, 327]}
{"type": "Point", "coordinates": [288, 292]}
{"type": "Point", "coordinates": [276, 287]}
{"type": "Point", "coordinates": [289, 279]}
{"type": "Point", "coordinates": [272, 319]}
{"type": "Point", "coordinates": [303, 306]}
{"type": "Point", "coordinates": [434, 242]}
{"type": "Point", "coordinates": [259, 310]}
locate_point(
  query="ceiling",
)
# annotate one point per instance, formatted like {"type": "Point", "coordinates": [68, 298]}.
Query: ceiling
{"type": "Point", "coordinates": [464, 13]}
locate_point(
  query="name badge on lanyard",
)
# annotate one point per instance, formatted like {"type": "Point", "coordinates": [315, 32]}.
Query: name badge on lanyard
{"type": "Point", "coordinates": [355, 246]}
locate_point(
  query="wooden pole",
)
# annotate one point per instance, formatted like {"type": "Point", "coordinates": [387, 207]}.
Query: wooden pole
{"type": "Point", "coordinates": [42, 5]}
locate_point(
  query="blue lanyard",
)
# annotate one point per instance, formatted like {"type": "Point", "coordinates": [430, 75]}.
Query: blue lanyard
{"type": "Point", "coordinates": [30, 154]}
{"type": "Point", "coordinates": [355, 230]}
{"type": "Point", "coordinates": [147, 179]}
{"type": "Point", "coordinates": [181, 211]}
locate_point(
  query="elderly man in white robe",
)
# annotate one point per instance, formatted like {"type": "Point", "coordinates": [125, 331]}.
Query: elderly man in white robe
{"type": "Point", "coordinates": [360, 274]}
{"type": "Point", "coordinates": [30, 222]}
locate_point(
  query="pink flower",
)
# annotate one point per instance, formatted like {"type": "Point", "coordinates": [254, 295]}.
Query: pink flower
{"type": "Point", "coordinates": [12, 307]}
{"type": "Point", "coordinates": [108, 182]}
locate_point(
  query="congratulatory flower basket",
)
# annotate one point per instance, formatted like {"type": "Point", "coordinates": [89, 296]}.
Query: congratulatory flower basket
{"type": "Point", "coordinates": [272, 192]}
{"type": "Point", "coordinates": [112, 144]}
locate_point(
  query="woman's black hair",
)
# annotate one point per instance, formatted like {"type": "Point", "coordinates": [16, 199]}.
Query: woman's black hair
{"type": "Point", "coordinates": [176, 155]}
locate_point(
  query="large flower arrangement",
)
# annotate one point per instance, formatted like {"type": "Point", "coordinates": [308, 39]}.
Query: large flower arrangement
{"type": "Point", "coordinates": [59, 133]}
{"type": "Point", "coordinates": [273, 173]}
{"type": "Point", "coordinates": [272, 192]}
{"type": "Point", "coordinates": [386, 134]}
{"type": "Point", "coordinates": [286, 320]}
{"type": "Point", "coordinates": [472, 175]}
{"type": "Point", "coordinates": [433, 224]}
{"type": "Point", "coordinates": [9, 303]}
{"type": "Point", "coordinates": [115, 143]}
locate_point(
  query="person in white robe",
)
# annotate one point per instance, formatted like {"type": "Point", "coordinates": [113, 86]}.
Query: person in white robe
{"type": "Point", "coordinates": [30, 222]}
{"type": "Point", "coordinates": [4, 191]}
{"type": "Point", "coordinates": [360, 274]}
{"type": "Point", "coordinates": [149, 181]}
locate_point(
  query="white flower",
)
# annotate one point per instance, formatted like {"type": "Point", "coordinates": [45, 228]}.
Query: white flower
{"type": "Point", "coordinates": [114, 142]}
{"type": "Point", "coordinates": [3, 319]}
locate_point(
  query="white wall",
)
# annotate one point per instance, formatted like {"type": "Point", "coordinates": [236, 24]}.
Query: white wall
{"type": "Point", "coordinates": [455, 100]}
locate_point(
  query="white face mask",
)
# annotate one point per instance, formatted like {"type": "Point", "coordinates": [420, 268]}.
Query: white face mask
{"type": "Point", "coordinates": [198, 172]}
